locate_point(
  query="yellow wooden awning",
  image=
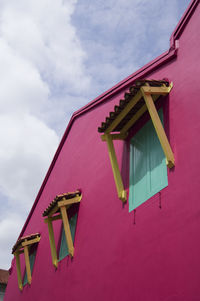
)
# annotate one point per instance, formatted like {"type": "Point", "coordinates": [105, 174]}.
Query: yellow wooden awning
{"type": "Point", "coordinates": [140, 98]}
{"type": "Point", "coordinates": [58, 210]}
{"type": "Point", "coordinates": [22, 246]}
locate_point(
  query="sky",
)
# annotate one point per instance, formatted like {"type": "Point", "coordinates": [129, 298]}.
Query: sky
{"type": "Point", "coordinates": [55, 57]}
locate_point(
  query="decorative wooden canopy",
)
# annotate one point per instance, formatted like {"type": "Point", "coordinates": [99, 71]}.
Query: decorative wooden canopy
{"type": "Point", "coordinates": [136, 102]}
{"type": "Point", "coordinates": [58, 210]}
{"type": "Point", "coordinates": [22, 246]}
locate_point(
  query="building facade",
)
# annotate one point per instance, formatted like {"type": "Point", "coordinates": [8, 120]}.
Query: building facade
{"type": "Point", "coordinates": [118, 214]}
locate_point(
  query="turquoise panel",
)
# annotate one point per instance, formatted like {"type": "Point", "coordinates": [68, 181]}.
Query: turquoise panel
{"type": "Point", "coordinates": [32, 260]}
{"type": "Point", "coordinates": [148, 170]}
{"type": "Point", "coordinates": [63, 245]}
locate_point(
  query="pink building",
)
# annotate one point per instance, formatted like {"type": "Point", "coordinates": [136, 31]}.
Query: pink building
{"type": "Point", "coordinates": [118, 214]}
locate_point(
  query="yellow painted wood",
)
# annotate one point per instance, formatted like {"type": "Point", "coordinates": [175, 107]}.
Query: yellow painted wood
{"type": "Point", "coordinates": [123, 113]}
{"type": "Point", "coordinates": [163, 90]}
{"type": "Point", "coordinates": [19, 275]}
{"type": "Point", "coordinates": [31, 241]}
{"type": "Point", "coordinates": [65, 202]}
{"type": "Point", "coordinates": [53, 218]}
{"type": "Point", "coordinates": [52, 243]}
{"type": "Point", "coordinates": [68, 235]}
{"type": "Point", "coordinates": [159, 128]}
{"type": "Point", "coordinates": [27, 262]}
{"type": "Point", "coordinates": [115, 167]}
{"type": "Point", "coordinates": [115, 136]}
{"type": "Point", "coordinates": [135, 117]}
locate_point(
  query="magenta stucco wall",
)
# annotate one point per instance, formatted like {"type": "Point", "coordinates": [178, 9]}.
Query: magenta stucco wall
{"type": "Point", "coordinates": [152, 255]}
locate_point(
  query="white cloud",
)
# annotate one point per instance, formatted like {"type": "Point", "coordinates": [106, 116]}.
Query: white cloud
{"type": "Point", "coordinates": [10, 228]}
{"type": "Point", "coordinates": [41, 59]}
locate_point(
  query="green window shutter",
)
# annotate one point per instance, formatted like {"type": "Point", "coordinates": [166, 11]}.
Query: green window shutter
{"type": "Point", "coordinates": [148, 170]}
{"type": "Point", "coordinates": [32, 260]}
{"type": "Point", "coordinates": [63, 244]}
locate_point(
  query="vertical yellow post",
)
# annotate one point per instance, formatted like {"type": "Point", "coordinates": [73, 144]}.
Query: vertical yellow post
{"type": "Point", "coordinates": [159, 129]}
{"type": "Point", "coordinates": [27, 262]}
{"type": "Point", "coordinates": [67, 231]}
{"type": "Point", "coordinates": [116, 172]}
{"type": "Point", "coordinates": [52, 243]}
{"type": "Point", "coordinates": [19, 275]}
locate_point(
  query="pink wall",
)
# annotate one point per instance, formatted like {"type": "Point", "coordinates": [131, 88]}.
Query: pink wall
{"type": "Point", "coordinates": [157, 257]}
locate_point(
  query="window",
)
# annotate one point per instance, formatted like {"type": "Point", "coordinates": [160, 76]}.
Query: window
{"type": "Point", "coordinates": [148, 170]}
{"type": "Point", "coordinates": [140, 98]}
{"type": "Point", "coordinates": [58, 209]}
{"type": "Point", "coordinates": [26, 245]}
{"type": "Point", "coordinates": [63, 244]}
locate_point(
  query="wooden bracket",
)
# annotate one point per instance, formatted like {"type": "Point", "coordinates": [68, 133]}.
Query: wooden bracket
{"type": "Point", "coordinates": [19, 274]}
{"type": "Point", "coordinates": [115, 167]}
{"type": "Point", "coordinates": [146, 92]}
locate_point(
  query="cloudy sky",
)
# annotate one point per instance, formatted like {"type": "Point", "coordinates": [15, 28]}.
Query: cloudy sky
{"type": "Point", "coordinates": [56, 56]}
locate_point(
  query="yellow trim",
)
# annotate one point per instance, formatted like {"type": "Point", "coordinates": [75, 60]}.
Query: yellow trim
{"type": "Point", "coordinates": [53, 218]}
{"type": "Point", "coordinates": [115, 167]}
{"type": "Point", "coordinates": [120, 136]}
{"type": "Point", "coordinates": [159, 128]}
{"type": "Point", "coordinates": [67, 230]}
{"type": "Point", "coordinates": [23, 248]}
{"type": "Point", "coordinates": [163, 90]}
{"type": "Point", "coordinates": [131, 122]}
{"type": "Point", "coordinates": [30, 242]}
{"type": "Point", "coordinates": [27, 262]}
{"type": "Point", "coordinates": [61, 207]}
{"type": "Point", "coordinates": [65, 202]}
{"type": "Point", "coordinates": [150, 94]}
{"type": "Point", "coordinates": [52, 243]}
{"type": "Point", "coordinates": [19, 274]}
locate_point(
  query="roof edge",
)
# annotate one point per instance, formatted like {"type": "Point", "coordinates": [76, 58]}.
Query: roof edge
{"type": "Point", "coordinates": [183, 22]}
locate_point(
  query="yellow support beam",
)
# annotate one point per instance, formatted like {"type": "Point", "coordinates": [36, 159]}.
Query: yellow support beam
{"type": "Point", "coordinates": [19, 274]}
{"type": "Point", "coordinates": [30, 242]}
{"type": "Point", "coordinates": [65, 202]}
{"type": "Point", "coordinates": [52, 243]}
{"type": "Point", "coordinates": [159, 128]}
{"type": "Point", "coordinates": [53, 218]}
{"type": "Point", "coordinates": [67, 230]}
{"type": "Point", "coordinates": [115, 167]}
{"type": "Point", "coordinates": [115, 136]}
{"type": "Point", "coordinates": [27, 262]}
{"type": "Point", "coordinates": [124, 112]}
{"type": "Point", "coordinates": [163, 90]}
{"type": "Point", "coordinates": [135, 117]}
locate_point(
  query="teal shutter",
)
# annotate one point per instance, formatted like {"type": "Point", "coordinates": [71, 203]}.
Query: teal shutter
{"type": "Point", "coordinates": [148, 170]}
{"type": "Point", "coordinates": [63, 244]}
{"type": "Point", "coordinates": [32, 260]}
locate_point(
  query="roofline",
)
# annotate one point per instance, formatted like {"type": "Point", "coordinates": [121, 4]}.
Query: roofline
{"type": "Point", "coordinates": [144, 71]}
{"type": "Point", "coordinates": [183, 22]}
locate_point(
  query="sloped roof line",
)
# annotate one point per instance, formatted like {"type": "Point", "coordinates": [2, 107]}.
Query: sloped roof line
{"type": "Point", "coordinates": [183, 22]}
{"type": "Point", "coordinates": [146, 69]}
